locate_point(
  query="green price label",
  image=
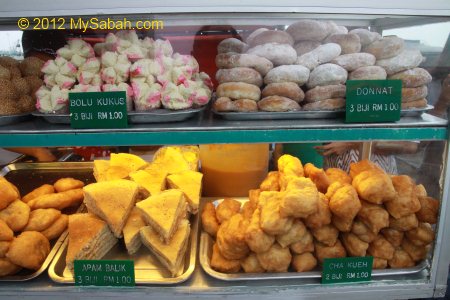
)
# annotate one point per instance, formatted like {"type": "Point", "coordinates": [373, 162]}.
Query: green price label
{"type": "Point", "coordinates": [369, 101]}
{"type": "Point", "coordinates": [104, 272]}
{"type": "Point", "coordinates": [347, 269]}
{"type": "Point", "coordinates": [98, 110]}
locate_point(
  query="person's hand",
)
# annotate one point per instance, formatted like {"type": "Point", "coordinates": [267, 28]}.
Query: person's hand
{"type": "Point", "coordinates": [337, 148]}
{"type": "Point", "coordinates": [44, 155]}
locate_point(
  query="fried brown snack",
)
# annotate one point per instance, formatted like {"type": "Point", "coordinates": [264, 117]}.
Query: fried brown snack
{"type": "Point", "coordinates": [306, 244]}
{"type": "Point", "coordinates": [301, 198]}
{"type": "Point", "coordinates": [65, 184]}
{"type": "Point", "coordinates": [406, 202]}
{"type": "Point", "coordinates": [335, 174]}
{"type": "Point", "coordinates": [8, 193]}
{"type": "Point", "coordinates": [374, 216]}
{"type": "Point", "coordinates": [361, 166]}
{"type": "Point", "coordinates": [271, 182]}
{"type": "Point", "coordinates": [420, 190]}
{"type": "Point", "coordinates": [394, 236]}
{"type": "Point", "coordinates": [4, 246]}
{"type": "Point", "coordinates": [322, 216]}
{"type": "Point", "coordinates": [343, 225]}
{"type": "Point", "coordinates": [296, 233]}
{"type": "Point", "coordinates": [226, 209]}
{"type": "Point", "coordinates": [429, 208]}
{"type": "Point", "coordinates": [327, 235]}
{"type": "Point", "coordinates": [16, 215]}
{"type": "Point", "coordinates": [58, 200]}
{"type": "Point", "coordinates": [401, 259]}
{"type": "Point", "coordinates": [344, 202]}
{"type": "Point", "coordinates": [6, 234]}
{"type": "Point", "coordinates": [209, 221]}
{"type": "Point", "coordinates": [363, 232]}
{"type": "Point", "coordinates": [253, 197]}
{"type": "Point", "coordinates": [250, 264]}
{"type": "Point", "coordinates": [29, 250]}
{"type": "Point", "coordinates": [374, 186]}
{"type": "Point", "coordinates": [222, 264]}
{"type": "Point", "coordinates": [7, 267]}
{"type": "Point", "coordinates": [381, 248]}
{"type": "Point", "coordinates": [318, 176]}
{"type": "Point", "coordinates": [324, 251]}
{"type": "Point", "coordinates": [56, 228]}
{"type": "Point", "coordinates": [248, 209]}
{"type": "Point", "coordinates": [231, 238]}
{"type": "Point", "coordinates": [304, 262]}
{"type": "Point", "coordinates": [289, 167]}
{"type": "Point", "coordinates": [405, 223]}
{"type": "Point", "coordinates": [41, 219]}
{"type": "Point", "coordinates": [272, 221]}
{"type": "Point", "coordinates": [44, 189]}
{"type": "Point", "coordinates": [353, 245]}
{"type": "Point", "coordinates": [379, 263]}
{"type": "Point", "coordinates": [276, 259]}
{"type": "Point", "coordinates": [257, 240]}
{"type": "Point", "coordinates": [417, 253]}
{"type": "Point", "coordinates": [422, 235]}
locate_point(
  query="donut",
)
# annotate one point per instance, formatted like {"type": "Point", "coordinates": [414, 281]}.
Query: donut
{"type": "Point", "coordinates": [421, 103]}
{"type": "Point", "coordinates": [223, 104]}
{"type": "Point", "coordinates": [320, 55]}
{"type": "Point", "coordinates": [233, 60]}
{"type": "Point", "coordinates": [365, 36]}
{"type": "Point", "coordinates": [413, 77]}
{"type": "Point", "coordinates": [252, 35]}
{"type": "Point", "coordinates": [278, 54]}
{"type": "Point", "coordinates": [308, 30]}
{"type": "Point", "coordinates": [350, 43]}
{"type": "Point", "coordinates": [278, 104]}
{"type": "Point", "coordinates": [408, 59]}
{"type": "Point", "coordinates": [327, 104]}
{"type": "Point", "coordinates": [368, 73]}
{"type": "Point", "coordinates": [325, 92]}
{"type": "Point", "coordinates": [289, 73]}
{"type": "Point", "coordinates": [353, 61]}
{"type": "Point", "coordinates": [327, 74]}
{"type": "Point", "coordinates": [289, 90]}
{"type": "Point", "coordinates": [333, 28]}
{"type": "Point", "coordinates": [239, 74]}
{"type": "Point", "coordinates": [238, 90]}
{"type": "Point", "coordinates": [387, 47]}
{"type": "Point", "coordinates": [303, 47]}
{"type": "Point", "coordinates": [231, 45]}
{"type": "Point", "coordinates": [271, 36]}
{"type": "Point", "coordinates": [240, 105]}
{"type": "Point", "coordinates": [413, 94]}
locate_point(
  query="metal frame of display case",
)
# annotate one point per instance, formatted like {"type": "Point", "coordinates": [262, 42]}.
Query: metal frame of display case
{"type": "Point", "coordinates": [206, 129]}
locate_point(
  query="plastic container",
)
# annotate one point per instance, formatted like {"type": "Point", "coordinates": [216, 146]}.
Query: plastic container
{"type": "Point", "coordinates": [231, 170]}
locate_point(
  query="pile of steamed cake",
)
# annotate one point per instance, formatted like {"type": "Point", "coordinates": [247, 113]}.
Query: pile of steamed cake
{"type": "Point", "coordinates": [306, 68]}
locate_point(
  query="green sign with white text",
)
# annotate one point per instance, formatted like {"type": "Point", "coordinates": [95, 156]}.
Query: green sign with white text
{"type": "Point", "coordinates": [104, 272]}
{"type": "Point", "coordinates": [347, 269]}
{"type": "Point", "coordinates": [98, 110]}
{"type": "Point", "coordinates": [369, 101]}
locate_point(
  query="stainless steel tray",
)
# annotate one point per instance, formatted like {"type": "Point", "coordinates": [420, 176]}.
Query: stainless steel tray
{"type": "Point", "coordinates": [12, 119]}
{"type": "Point", "coordinates": [28, 176]}
{"type": "Point", "coordinates": [205, 252]}
{"type": "Point", "coordinates": [288, 115]}
{"type": "Point", "coordinates": [53, 118]}
{"type": "Point", "coordinates": [415, 112]}
{"type": "Point", "coordinates": [148, 270]}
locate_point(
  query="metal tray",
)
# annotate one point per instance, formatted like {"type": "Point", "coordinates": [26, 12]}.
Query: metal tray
{"type": "Point", "coordinates": [415, 112]}
{"type": "Point", "coordinates": [28, 176]}
{"type": "Point", "coordinates": [205, 252]}
{"type": "Point", "coordinates": [288, 115]}
{"type": "Point", "coordinates": [148, 270]}
{"type": "Point", "coordinates": [12, 119]}
{"type": "Point", "coordinates": [53, 118]}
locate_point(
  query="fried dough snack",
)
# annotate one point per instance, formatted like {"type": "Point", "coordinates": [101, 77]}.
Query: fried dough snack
{"type": "Point", "coordinates": [231, 238]}
{"type": "Point", "coordinates": [406, 202]}
{"type": "Point", "coordinates": [4, 246]}
{"type": "Point", "coordinates": [327, 235]}
{"type": "Point", "coordinates": [405, 223]}
{"type": "Point", "coordinates": [16, 215]}
{"type": "Point", "coordinates": [271, 182]}
{"type": "Point", "coordinates": [381, 248]}
{"type": "Point", "coordinates": [250, 264]}
{"type": "Point", "coordinates": [257, 240]}
{"type": "Point", "coordinates": [226, 209]}
{"type": "Point", "coordinates": [394, 236]}
{"type": "Point", "coordinates": [401, 259]}
{"type": "Point", "coordinates": [306, 244]}
{"type": "Point", "coordinates": [65, 184]}
{"type": "Point", "coordinates": [41, 219]}
{"type": "Point", "coordinates": [272, 221]}
{"type": "Point", "coordinates": [379, 263]}
{"type": "Point", "coordinates": [301, 198]}
{"type": "Point", "coordinates": [324, 251]}
{"type": "Point", "coordinates": [304, 262]}
{"type": "Point", "coordinates": [361, 166]}
{"type": "Point", "coordinates": [322, 216]}
{"type": "Point", "coordinates": [344, 202]}
{"type": "Point", "coordinates": [248, 209]}
{"type": "Point", "coordinates": [318, 176]}
{"type": "Point", "coordinates": [276, 259]}
{"type": "Point", "coordinates": [417, 253]}
{"type": "Point", "coordinates": [7, 267]}
{"type": "Point", "coordinates": [58, 200]}
{"type": "Point", "coordinates": [353, 245]}
{"type": "Point", "coordinates": [429, 209]}
{"type": "Point", "coordinates": [422, 235]}
{"type": "Point", "coordinates": [6, 234]}
{"type": "Point", "coordinates": [374, 216]}
{"type": "Point", "coordinates": [8, 193]}
{"type": "Point", "coordinates": [420, 190]}
{"type": "Point", "coordinates": [363, 232]}
{"type": "Point", "coordinates": [253, 197]}
{"type": "Point", "coordinates": [29, 250]}
{"type": "Point", "coordinates": [289, 167]}
{"type": "Point", "coordinates": [44, 189]}
{"type": "Point", "coordinates": [222, 264]}
{"type": "Point", "coordinates": [296, 233]}
{"type": "Point", "coordinates": [335, 174]}
{"type": "Point", "coordinates": [374, 186]}
{"type": "Point", "coordinates": [56, 228]}
{"type": "Point", "coordinates": [209, 221]}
